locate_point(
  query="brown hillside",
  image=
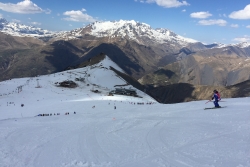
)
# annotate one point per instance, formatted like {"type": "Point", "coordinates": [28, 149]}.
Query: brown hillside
{"type": "Point", "coordinates": [184, 92]}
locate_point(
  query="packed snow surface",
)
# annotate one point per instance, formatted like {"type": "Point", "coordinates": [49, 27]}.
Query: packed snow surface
{"type": "Point", "coordinates": [115, 131]}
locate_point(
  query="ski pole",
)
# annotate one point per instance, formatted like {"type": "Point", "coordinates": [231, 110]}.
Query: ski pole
{"type": "Point", "coordinates": [207, 101]}
{"type": "Point", "coordinates": [210, 101]}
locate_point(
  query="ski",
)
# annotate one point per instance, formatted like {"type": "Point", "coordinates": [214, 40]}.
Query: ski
{"type": "Point", "coordinates": [214, 108]}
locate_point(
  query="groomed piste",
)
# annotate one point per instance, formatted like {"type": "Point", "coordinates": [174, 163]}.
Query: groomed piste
{"type": "Point", "coordinates": [114, 131]}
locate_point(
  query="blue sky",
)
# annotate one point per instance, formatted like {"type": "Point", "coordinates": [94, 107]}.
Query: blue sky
{"type": "Point", "coordinates": [208, 21]}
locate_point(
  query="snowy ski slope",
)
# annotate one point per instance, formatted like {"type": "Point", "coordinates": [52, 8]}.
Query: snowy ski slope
{"type": "Point", "coordinates": [139, 132]}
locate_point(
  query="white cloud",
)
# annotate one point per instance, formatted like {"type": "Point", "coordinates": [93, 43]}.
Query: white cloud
{"type": "Point", "coordinates": [35, 23]}
{"type": "Point", "coordinates": [167, 3]}
{"type": "Point", "coordinates": [218, 22]}
{"type": "Point", "coordinates": [200, 15]}
{"type": "Point", "coordinates": [184, 10]}
{"type": "Point", "coordinates": [24, 7]}
{"type": "Point", "coordinates": [234, 25]}
{"type": "Point", "coordinates": [78, 16]}
{"type": "Point", "coordinates": [241, 14]}
{"type": "Point", "coordinates": [246, 38]}
{"type": "Point", "coordinates": [248, 26]}
{"type": "Point", "coordinates": [1, 16]}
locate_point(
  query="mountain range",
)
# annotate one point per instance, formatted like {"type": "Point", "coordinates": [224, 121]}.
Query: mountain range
{"type": "Point", "coordinates": [154, 57]}
{"type": "Point", "coordinates": [17, 29]}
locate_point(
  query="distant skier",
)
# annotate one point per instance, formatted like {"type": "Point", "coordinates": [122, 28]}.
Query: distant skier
{"type": "Point", "coordinates": [216, 98]}
{"type": "Point", "coordinates": [218, 94]}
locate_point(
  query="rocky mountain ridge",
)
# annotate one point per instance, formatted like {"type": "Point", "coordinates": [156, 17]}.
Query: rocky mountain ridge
{"type": "Point", "coordinates": [156, 57]}
{"type": "Point", "coordinates": [130, 29]}
{"type": "Point", "coordinates": [21, 30]}
{"type": "Point", "coordinates": [175, 93]}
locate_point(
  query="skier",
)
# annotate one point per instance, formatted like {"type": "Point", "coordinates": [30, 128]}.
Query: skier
{"type": "Point", "coordinates": [216, 98]}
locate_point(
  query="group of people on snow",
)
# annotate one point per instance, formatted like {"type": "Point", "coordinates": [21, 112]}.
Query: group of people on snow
{"type": "Point", "coordinates": [67, 113]}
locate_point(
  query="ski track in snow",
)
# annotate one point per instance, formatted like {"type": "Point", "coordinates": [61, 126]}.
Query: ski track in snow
{"type": "Point", "coordinates": [117, 138]}
{"type": "Point", "coordinates": [132, 135]}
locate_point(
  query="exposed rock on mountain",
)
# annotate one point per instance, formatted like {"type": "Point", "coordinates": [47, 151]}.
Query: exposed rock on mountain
{"type": "Point", "coordinates": [180, 92]}
{"type": "Point", "coordinates": [184, 92]}
{"type": "Point", "coordinates": [28, 57]}
{"type": "Point", "coordinates": [219, 66]}
{"type": "Point", "coordinates": [155, 56]}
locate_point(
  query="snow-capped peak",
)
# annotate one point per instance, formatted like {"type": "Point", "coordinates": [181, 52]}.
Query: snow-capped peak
{"type": "Point", "coordinates": [130, 29]}
{"type": "Point", "coordinates": [135, 31]}
{"type": "Point", "coordinates": [3, 21]}
{"type": "Point", "coordinates": [240, 45]}
{"type": "Point", "coordinates": [17, 29]}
